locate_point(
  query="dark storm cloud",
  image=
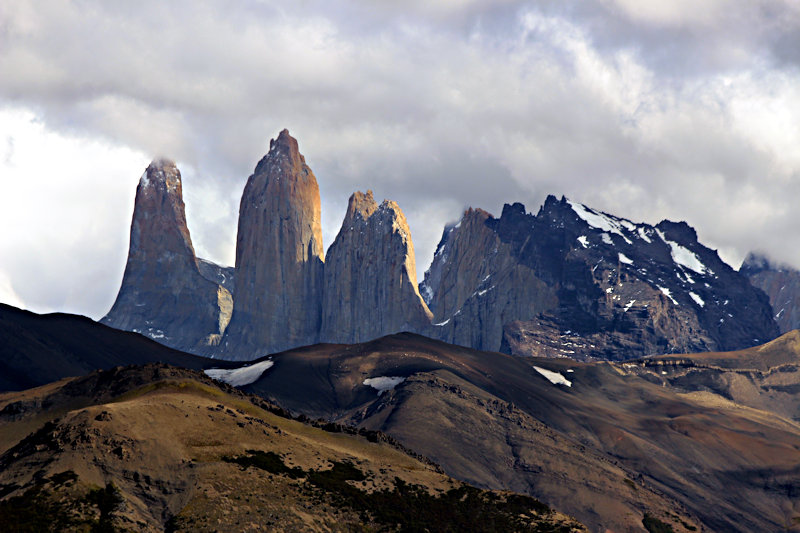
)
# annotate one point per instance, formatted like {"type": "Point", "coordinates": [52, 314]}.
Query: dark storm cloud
{"type": "Point", "coordinates": [685, 110]}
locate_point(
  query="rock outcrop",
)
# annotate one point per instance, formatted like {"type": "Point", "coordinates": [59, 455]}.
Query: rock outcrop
{"type": "Point", "coordinates": [574, 282]}
{"type": "Point", "coordinates": [476, 285]}
{"type": "Point", "coordinates": [781, 283]}
{"type": "Point", "coordinates": [279, 257]}
{"type": "Point", "coordinates": [370, 275]}
{"type": "Point", "coordinates": [163, 293]}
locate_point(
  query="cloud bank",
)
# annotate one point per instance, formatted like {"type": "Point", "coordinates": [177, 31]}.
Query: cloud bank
{"type": "Point", "coordinates": [686, 111]}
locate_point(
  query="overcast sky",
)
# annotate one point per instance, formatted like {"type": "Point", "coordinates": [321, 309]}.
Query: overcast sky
{"type": "Point", "coordinates": [686, 110]}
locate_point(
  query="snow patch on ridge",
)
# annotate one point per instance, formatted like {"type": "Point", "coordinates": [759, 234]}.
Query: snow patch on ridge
{"type": "Point", "coordinates": [602, 221]}
{"type": "Point", "coordinates": [625, 259]}
{"type": "Point", "coordinates": [384, 383]}
{"type": "Point", "coordinates": [553, 377]}
{"type": "Point", "coordinates": [683, 256]}
{"type": "Point", "coordinates": [239, 376]}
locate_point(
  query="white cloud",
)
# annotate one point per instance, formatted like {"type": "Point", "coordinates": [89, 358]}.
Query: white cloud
{"type": "Point", "coordinates": [645, 111]}
{"type": "Point", "coordinates": [65, 205]}
{"type": "Point", "coordinates": [674, 12]}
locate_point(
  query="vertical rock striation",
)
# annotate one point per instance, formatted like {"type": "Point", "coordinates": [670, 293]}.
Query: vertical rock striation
{"type": "Point", "coordinates": [370, 275]}
{"type": "Point", "coordinates": [476, 285]}
{"type": "Point", "coordinates": [163, 294]}
{"type": "Point", "coordinates": [279, 258]}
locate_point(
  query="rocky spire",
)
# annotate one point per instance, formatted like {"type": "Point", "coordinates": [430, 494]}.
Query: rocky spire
{"type": "Point", "coordinates": [163, 295]}
{"type": "Point", "coordinates": [279, 258]}
{"type": "Point", "coordinates": [370, 275]}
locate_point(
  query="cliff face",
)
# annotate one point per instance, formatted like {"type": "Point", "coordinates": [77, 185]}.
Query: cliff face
{"type": "Point", "coordinates": [569, 281]}
{"type": "Point", "coordinates": [781, 284]}
{"type": "Point", "coordinates": [573, 281]}
{"type": "Point", "coordinates": [476, 285]}
{"type": "Point", "coordinates": [370, 275]}
{"type": "Point", "coordinates": [279, 258]}
{"type": "Point", "coordinates": [163, 294]}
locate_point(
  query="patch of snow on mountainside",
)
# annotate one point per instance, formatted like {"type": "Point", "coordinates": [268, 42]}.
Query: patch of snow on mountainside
{"type": "Point", "coordinates": [601, 221]}
{"type": "Point", "coordinates": [239, 376]}
{"type": "Point", "coordinates": [668, 294]}
{"type": "Point", "coordinates": [683, 256]}
{"type": "Point", "coordinates": [383, 383]}
{"type": "Point", "coordinates": [553, 377]}
{"type": "Point", "coordinates": [625, 259]}
{"type": "Point", "coordinates": [427, 293]}
{"type": "Point", "coordinates": [584, 241]}
{"type": "Point", "coordinates": [699, 301]}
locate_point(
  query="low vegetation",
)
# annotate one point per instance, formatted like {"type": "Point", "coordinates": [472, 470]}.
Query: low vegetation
{"type": "Point", "coordinates": [55, 504]}
{"type": "Point", "coordinates": [411, 508]}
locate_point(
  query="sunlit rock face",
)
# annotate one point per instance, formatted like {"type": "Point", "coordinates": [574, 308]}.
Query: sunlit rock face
{"type": "Point", "coordinates": [279, 257]}
{"type": "Point", "coordinates": [370, 275]}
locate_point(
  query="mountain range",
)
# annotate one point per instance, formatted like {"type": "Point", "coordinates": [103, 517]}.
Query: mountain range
{"type": "Point", "coordinates": [567, 281]}
{"type": "Point", "coordinates": [691, 442]}
{"type": "Point", "coordinates": [568, 370]}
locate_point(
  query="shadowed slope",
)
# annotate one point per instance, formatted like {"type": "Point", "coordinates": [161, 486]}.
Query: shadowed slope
{"type": "Point", "coordinates": [38, 349]}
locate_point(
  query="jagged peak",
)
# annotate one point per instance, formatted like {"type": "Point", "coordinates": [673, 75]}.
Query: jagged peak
{"type": "Point", "coordinates": [283, 147]}
{"type": "Point", "coordinates": [364, 206]}
{"type": "Point", "coordinates": [473, 213]}
{"type": "Point", "coordinates": [515, 209]}
{"type": "Point", "coordinates": [361, 203]}
{"type": "Point", "coordinates": [680, 231]}
{"type": "Point", "coordinates": [284, 141]}
{"type": "Point", "coordinates": [757, 261]}
{"type": "Point", "coordinates": [161, 171]}
{"type": "Point", "coordinates": [391, 206]}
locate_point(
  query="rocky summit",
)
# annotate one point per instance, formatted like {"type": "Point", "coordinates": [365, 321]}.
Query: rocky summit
{"type": "Point", "coordinates": [164, 294]}
{"type": "Point", "coordinates": [569, 281]}
{"type": "Point", "coordinates": [370, 275]}
{"type": "Point", "coordinates": [781, 283]}
{"type": "Point", "coordinates": [572, 281]}
{"type": "Point", "coordinates": [279, 257]}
